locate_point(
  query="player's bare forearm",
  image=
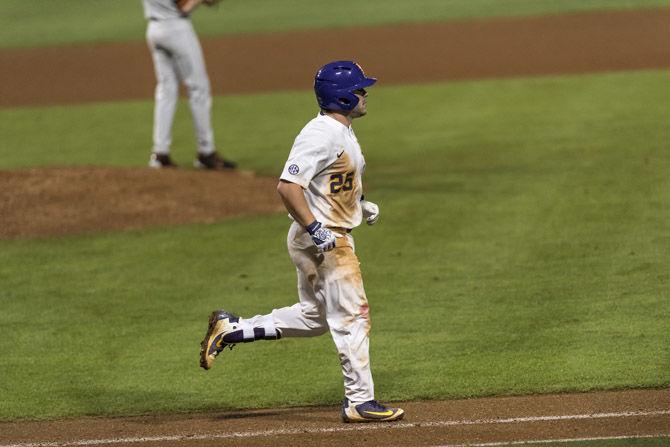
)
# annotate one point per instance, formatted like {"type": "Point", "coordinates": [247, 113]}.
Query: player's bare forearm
{"type": "Point", "coordinates": [294, 200]}
{"type": "Point", "coordinates": [187, 6]}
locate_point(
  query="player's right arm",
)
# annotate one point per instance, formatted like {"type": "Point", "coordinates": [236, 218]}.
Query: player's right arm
{"type": "Point", "coordinates": [188, 6]}
{"type": "Point", "coordinates": [294, 200]}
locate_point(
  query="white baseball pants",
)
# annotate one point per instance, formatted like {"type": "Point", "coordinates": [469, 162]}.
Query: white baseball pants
{"type": "Point", "coordinates": [177, 56]}
{"type": "Point", "coordinates": [330, 289]}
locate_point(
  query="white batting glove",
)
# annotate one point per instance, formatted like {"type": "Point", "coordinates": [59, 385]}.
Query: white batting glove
{"type": "Point", "coordinates": [323, 238]}
{"type": "Point", "coordinates": [370, 212]}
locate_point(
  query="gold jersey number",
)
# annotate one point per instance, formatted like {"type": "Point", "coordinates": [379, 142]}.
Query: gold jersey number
{"type": "Point", "coordinates": [341, 182]}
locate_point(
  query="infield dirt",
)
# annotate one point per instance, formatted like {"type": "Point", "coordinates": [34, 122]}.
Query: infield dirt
{"type": "Point", "coordinates": [72, 200]}
{"type": "Point", "coordinates": [503, 419]}
{"type": "Point", "coordinates": [54, 201]}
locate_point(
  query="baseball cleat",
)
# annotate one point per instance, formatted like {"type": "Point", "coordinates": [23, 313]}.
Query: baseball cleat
{"type": "Point", "coordinates": [221, 323]}
{"type": "Point", "coordinates": [370, 411]}
{"type": "Point", "coordinates": [213, 162]}
{"type": "Point", "coordinates": [159, 161]}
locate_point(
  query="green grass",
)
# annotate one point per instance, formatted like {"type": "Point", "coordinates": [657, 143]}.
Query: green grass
{"type": "Point", "coordinates": [631, 442]}
{"type": "Point", "coordinates": [37, 23]}
{"type": "Point", "coordinates": [120, 133]}
{"type": "Point", "coordinates": [523, 248]}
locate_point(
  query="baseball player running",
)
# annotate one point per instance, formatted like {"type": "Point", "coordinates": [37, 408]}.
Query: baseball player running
{"type": "Point", "coordinates": [322, 190]}
{"type": "Point", "coordinates": [177, 56]}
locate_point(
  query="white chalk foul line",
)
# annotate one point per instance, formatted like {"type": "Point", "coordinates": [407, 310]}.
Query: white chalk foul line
{"type": "Point", "coordinates": [346, 428]}
{"type": "Point", "coordinates": [554, 441]}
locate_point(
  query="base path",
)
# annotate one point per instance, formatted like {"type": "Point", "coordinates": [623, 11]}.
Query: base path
{"type": "Point", "coordinates": [412, 53]}
{"type": "Point", "coordinates": [604, 415]}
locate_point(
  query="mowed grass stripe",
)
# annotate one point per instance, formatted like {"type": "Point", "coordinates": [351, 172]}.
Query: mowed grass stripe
{"type": "Point", "coordinates": [31, 23]}
{"type": "Point", "coordinates": [603, 441]}
{"type": "Point", "coordinates": [522, 248]}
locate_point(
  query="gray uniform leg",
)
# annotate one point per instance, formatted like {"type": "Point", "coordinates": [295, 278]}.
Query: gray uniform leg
{"type": "Point", "coordinates": [178, 56]}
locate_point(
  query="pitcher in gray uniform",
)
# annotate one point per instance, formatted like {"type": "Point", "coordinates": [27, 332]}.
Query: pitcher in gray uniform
{"type": "Point", "coordinates": [177, 56]}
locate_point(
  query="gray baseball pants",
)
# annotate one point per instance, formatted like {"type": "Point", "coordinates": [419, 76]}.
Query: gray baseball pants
{"type": "Point", "coordinates": [177, 56]}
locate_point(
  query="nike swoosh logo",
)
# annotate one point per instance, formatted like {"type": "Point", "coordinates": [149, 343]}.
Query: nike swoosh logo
{"type": "Point", "coordinates": [340, 154]}
{"type": "Point", "coordinates": [380, 413]}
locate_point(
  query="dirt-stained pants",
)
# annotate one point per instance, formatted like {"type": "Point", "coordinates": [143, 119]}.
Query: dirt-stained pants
{"type": "Point", "coordinates": [330, 289]}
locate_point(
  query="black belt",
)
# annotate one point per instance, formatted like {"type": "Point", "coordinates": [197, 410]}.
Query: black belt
{"type": "Point", "coordinates": [154, 19]}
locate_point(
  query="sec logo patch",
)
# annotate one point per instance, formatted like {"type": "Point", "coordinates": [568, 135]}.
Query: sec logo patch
{"type": "Point", "coordinates": [293, 169]}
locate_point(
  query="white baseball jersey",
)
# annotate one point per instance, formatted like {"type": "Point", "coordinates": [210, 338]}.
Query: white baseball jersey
{"type": "Point", "coordinates": [326, 160]}
{"type": "Point", "coordinates": [161, 9]}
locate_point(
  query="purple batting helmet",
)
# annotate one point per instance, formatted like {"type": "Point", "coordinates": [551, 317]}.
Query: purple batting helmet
{"type": "Point", "coordinates": [335, 83]}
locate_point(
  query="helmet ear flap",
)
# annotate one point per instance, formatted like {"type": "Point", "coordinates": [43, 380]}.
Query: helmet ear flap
{"type": "Point", "coordinates": [331, 99]}
{"type": "Point", "coordinates": [348, 101]}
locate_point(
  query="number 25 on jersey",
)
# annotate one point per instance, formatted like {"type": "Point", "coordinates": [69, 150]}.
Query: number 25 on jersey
{"type": "Point", "coordinates": [338, 182]}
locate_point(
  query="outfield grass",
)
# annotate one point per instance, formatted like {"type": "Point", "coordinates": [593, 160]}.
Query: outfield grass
{"type": "Point", "coordinates": [631, 442]}
{"type": "Point", "coordinates": [119, 134]}
{"type": "Point", "coordinates": [523, 248]}
{"type": "Point", "coordinates": [38, 22]}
